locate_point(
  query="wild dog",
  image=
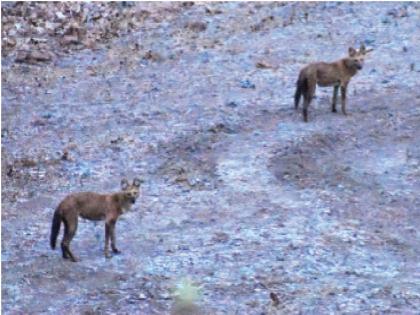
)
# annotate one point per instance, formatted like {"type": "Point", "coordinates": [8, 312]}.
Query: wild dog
{"type": "Point", "coordinates": [336, 74]}
{"type": "Point", "coordinates": [95, 207]}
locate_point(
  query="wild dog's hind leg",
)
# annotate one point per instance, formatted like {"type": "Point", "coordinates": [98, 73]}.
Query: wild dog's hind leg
{"type": "Point", "coordinates": [334, 100]}
{"type": "Point", "coordinates": [63, 246]}
{"type": "Point", "coordinates": [70, 227]}
{"type": "Point", "coordinates": [305, 110]}
{"type": "Point", "coordinates": [300, 84]}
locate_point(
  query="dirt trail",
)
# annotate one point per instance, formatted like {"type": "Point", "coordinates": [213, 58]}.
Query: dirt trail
{"type": "Point", "coordinates": [240, 196]}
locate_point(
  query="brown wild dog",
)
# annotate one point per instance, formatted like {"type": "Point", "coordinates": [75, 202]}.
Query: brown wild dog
{"type": "Point", "coordinates": [336, 74]}
{"type": "Point", "coordinates": [95, 207]}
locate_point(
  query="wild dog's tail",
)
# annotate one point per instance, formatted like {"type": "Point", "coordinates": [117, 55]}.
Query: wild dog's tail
{"type": "Point", "coordinates": [301, 87]}
{"type": "Point", "coordinates": [55, 228]}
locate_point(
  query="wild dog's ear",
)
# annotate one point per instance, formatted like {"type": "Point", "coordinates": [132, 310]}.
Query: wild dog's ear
{"type": "Point", "coordinates": [362, 49]}
{"type": "Point", "coordinates": [352, 52]}
{"type": "Point", "coordinates": [137, 182]}
{"type": "Point", "coordinates": [124, 184]}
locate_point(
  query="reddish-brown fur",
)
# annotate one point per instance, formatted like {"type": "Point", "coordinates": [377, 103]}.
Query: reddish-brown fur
{"type": "Point", "coordinates": [336, 74]}
{"type": "Point", "coordinates": [92, 206]}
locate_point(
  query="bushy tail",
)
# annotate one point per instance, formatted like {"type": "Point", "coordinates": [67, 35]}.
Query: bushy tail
{"type": "Point", "coordinates": [55, 229]}
{"type": "Point", "coordinates": [301, 87]}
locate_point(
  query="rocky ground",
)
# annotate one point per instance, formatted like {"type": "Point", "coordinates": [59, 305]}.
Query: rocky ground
{"type": "Point", "coordinates": [263, 213]}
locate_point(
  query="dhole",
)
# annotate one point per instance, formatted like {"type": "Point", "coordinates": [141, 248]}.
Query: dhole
{"type": "Point", "coordinates": [92, 206]}
{"type": "Point", "coordinates": [336, 74]}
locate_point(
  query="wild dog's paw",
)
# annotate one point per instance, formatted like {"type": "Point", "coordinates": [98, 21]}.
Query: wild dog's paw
{"type": "Point", "coordinates": [108, 255]}
{"type": "Point", "coordinates": [116, 251]}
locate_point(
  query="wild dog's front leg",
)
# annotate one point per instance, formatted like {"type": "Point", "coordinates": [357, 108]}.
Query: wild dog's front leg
{"type": "Point", "coordinates": [107, 236]}
{"type": "Point", "coordinates": [334, 100]}
{"type": "Point", "coordinates": [343, 99]}
{"type": "Point", "coordinates": [113, 242]}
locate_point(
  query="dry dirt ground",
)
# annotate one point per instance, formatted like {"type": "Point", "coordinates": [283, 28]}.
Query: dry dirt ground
{"type": "Point", "coordinates": [240, 196]}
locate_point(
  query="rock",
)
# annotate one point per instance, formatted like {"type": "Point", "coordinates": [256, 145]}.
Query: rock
{"type": "Point", "coordinates": [220, 237]}
{"type": "Point", "coordinates": [33, 56]}
{"type": "Point", "coordinates": [232, 104]}
{"type": "Point", "coordinates": [12, 32]}
{"type": "Point", "coordinates": [51, 27]}
{"type": "Point", "coordinates": [4, 132]}
{"type": "Point", "coordinates": [65, 156]}
{"type": "Point", "coordinates": [89, 43]}
{"type": "Point", "coordinates": [386, 20]}
{"type": "Point", "coordinates": [46, 115]}
{"type": "Point", "coordinates": [117, 140]}
{"type": "Point", "coordinates": [40, 55]}
{"type": "Point", "coordinates": [398, 13]}
{"type": "Point", "coordinates": [264, 65]}
{"type": "Point", "coordinates": [75, 29]}
{"type": "Point", "coordinates": [246, 84]}
{"type": "Point", "coordinates": [369, 41]}
{"type": "Point", "coordinates": [187, 3]}
{"type": "Point", "coordinates": [204, 57]}
{"type": "Point", "coordinates": [21, 56]}
{"type": "Point", "coordinates": [181, 309]}
{"type": "Point", "coordinates": [196, 26]}
{"type": "Point", "coordinates": [27, 162]}
{"type": "Point", "coordinates": [212, 11]}
{"type": "Point", "coordinates": [262, 24]}
{"type": "Point", "coordinates": [91, 71]}
{"type": "Point", "coordinates": [8, 41]}
{"type": "Point", "coordinates": [142, 296]}
{"type": "Point", "coordinates": [36, 41]}
{"type": "Point", "coordinates": [69, 40]}
{"type": "Point", "coordinates": [183, 247]}
{"type": "Point", "coordinates": [60, 15]}
{"type": "Point", "coordinates": [127, 3]}
{"type": "Point", "coordinates": [153, 56]}
{"type": "Point", "coordinates": [274, 299]}
{"type": "Point", "coordinates": [9, 170]}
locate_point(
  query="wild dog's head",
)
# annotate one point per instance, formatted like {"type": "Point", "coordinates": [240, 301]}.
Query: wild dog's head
{"type": "Point", "coordinates": [356, 57]}
{"type": "Point", "coordinates": [130, 192]}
